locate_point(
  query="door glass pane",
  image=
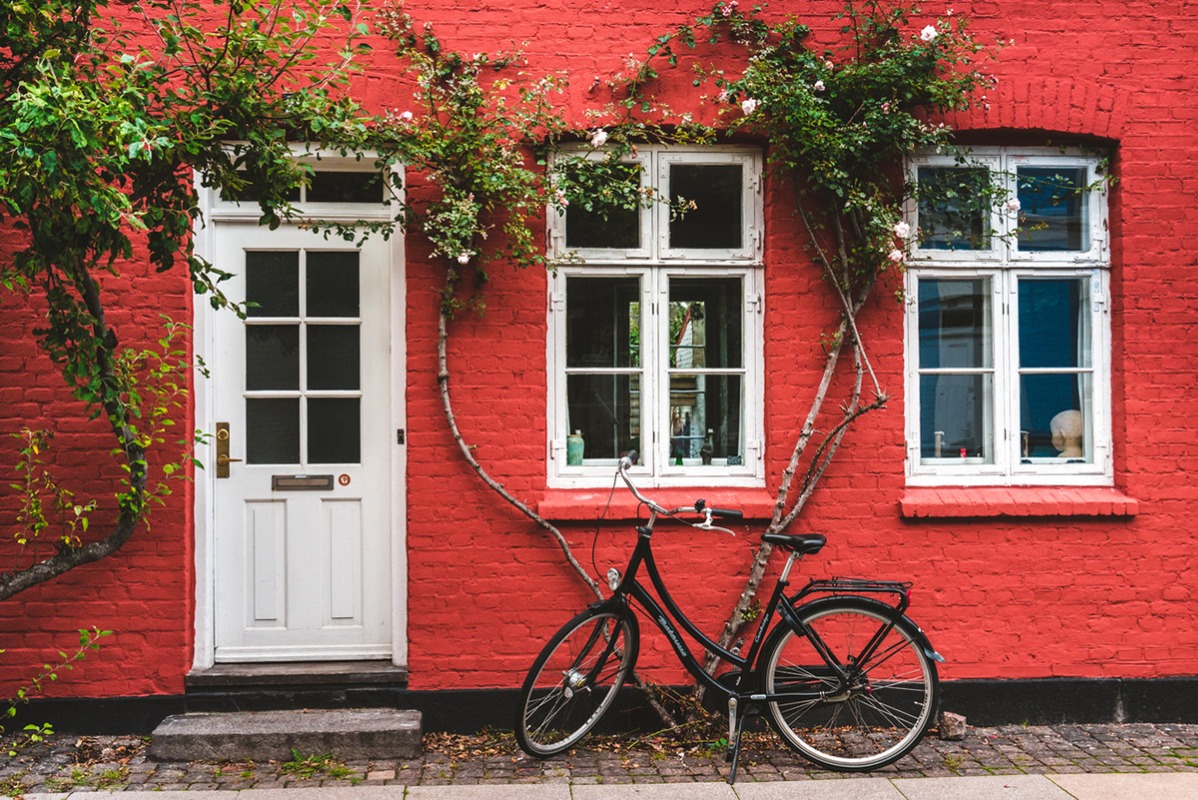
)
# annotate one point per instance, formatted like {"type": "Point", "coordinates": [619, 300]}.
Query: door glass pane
{"type": "Point", "coordinates": [706, 323]}
{"type": "Point", "coordinates": [705, 420]}
{"type": "Point", "coordinates": [333, 359]}
{"type": "Point", "coordinates": [603, 322]}
{"type": "Point", "coordinates": [272, 431]}
{"type": "Point", "coordinates": [1052, 209]}
{"type": "Point", "coordinates": [345, 187]}
{"type": "Point", "coordinates": [334, 431]}
{"type": "Point", "coordinates": [272, 283]}
{"type": "Point", "coordinates": [953, 424]}
{"type": "Point", "coordinates": [252, 191]}
{"type": "Point", "coordinates": [955, 329]}
{"type": "Point", "coordinates": [606, 411]}
{"type": "Point", "coordinates": [954, 208]}
{"type": "Point", "coordinates": [1054, 322]}
{"type": "Point", "coordinates": [271, 357]}
{"type": "Point", "coordinates": [712, 200]}
{"type": "Point", "coordinates": [607, 216]}
{"type": "Point", "coordinates": [333, 284]}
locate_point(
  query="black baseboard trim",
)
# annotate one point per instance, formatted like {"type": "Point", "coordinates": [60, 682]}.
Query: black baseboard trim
{"type": "Point", "coordinates": [983, 703]}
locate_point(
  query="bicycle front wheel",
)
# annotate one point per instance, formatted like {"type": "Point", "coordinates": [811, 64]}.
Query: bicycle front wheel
{"type": "Point", "coordinates": [888, 702]}
{"type": "Point", "coordinates": [575, 679]}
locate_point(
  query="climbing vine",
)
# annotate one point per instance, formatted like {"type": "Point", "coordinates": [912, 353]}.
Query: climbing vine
{"type": "Point", "coordinates": [108, 113]}
{"type": "Point", "coordinates": [838, 119]}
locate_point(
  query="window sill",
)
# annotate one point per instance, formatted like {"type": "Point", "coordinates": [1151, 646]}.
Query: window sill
{"type": "Point", "coordinates": [568, 505]}
{"type": "Point", "coordinates": [1015, 501]}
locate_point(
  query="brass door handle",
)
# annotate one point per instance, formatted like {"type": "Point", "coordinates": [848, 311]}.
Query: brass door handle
{"type": "Point", "coordinates": [223, 459]}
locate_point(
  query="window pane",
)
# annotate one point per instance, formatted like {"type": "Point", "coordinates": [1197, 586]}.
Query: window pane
{"type": "Point", "coordinates": [345, 187]}
{"type": "Point", "coordinates": [272, 283]}
{"type": "Point", "coordinates": [954, 208]}
{"type": "Point", "coordinates": [271, 357]}
{"type": "Point", "coordinates": [713, 196]}
{"type": "Point", "coordinates": [1054, 323]}
{"type": "Point", "coordinates": [1055, 420]}
{"type": "Point", "coordinates": [334, 431]}
{"type": "Point", "coordinates": [606, 409]}
{"type": "Point", "coordinates": [332, 284]}
{"type": "Point", "coordinates": [953, 412]}
{"type": "Point", "coordinates": [252, 191]}
{"type": "Point", "coordinates": [333, 361]}
{"type": "Point", "coordinates": [1052, 209]}
{"type": "Point", "coordinates": [608, 217]}
{"type": "Point", "coordinates": [603, 322]}
{"type": "Point", "coordinates": [272, 431]}
{"type": "Point", "coordinates": [706, 323]}
{"type": "Point", "coordinates": [955, 328]}
{"type": "Point", "coordinates": [705, 419]}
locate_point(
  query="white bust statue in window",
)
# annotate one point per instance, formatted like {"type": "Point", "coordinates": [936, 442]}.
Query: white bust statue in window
{"type": "Point", "coordinates": [1067, 428]}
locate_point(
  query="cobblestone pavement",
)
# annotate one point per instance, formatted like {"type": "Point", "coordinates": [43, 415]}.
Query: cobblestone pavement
{"type": "Point", "coordinates": [71, 763]}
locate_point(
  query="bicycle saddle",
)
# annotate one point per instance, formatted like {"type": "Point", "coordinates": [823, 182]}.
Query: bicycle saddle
{"type": "Point", "coordinates": [800, 543]}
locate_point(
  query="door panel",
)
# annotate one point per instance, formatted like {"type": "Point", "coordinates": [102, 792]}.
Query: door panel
{"type": "Point", "coordinates": [303, 539]}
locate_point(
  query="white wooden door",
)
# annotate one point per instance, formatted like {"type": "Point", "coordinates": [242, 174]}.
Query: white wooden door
{"type": "Point", "coordinates": [302, 493]}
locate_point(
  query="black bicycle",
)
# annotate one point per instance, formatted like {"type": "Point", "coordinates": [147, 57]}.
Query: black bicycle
{"type": "Point", "coordinates": [839, 670]}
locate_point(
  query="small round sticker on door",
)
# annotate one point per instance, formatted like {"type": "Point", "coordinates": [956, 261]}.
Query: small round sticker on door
{"type": "Point", "coordinates": [343, 479]}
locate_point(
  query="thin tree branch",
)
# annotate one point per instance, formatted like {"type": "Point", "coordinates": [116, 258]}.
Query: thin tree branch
{"type": "Point", "coordinates": [468, 454]}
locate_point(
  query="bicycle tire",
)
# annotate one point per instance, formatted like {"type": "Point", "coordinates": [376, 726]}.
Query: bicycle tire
{"type": "Point", "coordinates": [892, 697]}
{"type": "Point", "coordinates": [575, 679]}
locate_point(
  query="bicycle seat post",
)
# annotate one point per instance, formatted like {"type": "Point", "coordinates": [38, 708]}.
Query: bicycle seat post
{"type": "Point", "coordinates": [793, 556]}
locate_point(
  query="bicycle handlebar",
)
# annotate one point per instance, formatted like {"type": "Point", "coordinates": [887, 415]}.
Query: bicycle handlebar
{"type": "Point", "coordinates": [700, 507]}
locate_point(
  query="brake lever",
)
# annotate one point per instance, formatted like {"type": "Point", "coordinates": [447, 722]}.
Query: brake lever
{"type": "Point", "coordinates": [706, 524]}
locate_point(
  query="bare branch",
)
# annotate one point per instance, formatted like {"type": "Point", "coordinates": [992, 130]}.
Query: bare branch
{"type": "Point", "coordinates": [468, 454]}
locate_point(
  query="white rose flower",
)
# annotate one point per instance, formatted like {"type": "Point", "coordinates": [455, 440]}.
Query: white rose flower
{"type": "Point", "coordinates": [818, 86]}
{"type": "Point", "coordinates": [598, 138]}
{"type": "Point", "coordinates": [929, 33]}
{"type": "Point", "coordinates": [896, 256]}
{"type": "Point", "coordinates": [463, 258]}
{"type": "Point", "coordinates": [902, 230]}
{"type": "Point", "coordinates": [748, 106]}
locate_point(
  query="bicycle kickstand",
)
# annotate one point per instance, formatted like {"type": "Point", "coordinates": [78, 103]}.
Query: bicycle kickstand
{"type": "Point", "coordinates": [736, 726]}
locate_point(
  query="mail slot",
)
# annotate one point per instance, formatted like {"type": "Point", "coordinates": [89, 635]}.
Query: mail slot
{"type": "Point", "coordinates": [301, 483]}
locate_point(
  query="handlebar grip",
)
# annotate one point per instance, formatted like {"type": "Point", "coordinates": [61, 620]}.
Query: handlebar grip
{"type": "Point", "coordinates": [628, 460]}
{"type": "Point", "coordinates": [726, 513]}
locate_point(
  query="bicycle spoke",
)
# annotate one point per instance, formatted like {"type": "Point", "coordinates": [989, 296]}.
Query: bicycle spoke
{"type": "Point", "coordinates": [875, 710]}
{"type": "Point", "coordinates": [573, 682]}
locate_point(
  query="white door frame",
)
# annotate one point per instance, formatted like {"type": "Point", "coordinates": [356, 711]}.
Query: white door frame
{"type": "Point", "coordinates": [215, 212]}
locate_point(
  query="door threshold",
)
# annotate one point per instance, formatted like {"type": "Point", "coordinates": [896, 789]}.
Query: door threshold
{"type": "Point", "coordinates": [298, 674]}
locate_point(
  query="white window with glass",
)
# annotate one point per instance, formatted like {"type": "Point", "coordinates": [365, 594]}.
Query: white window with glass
{"type": "Point", "coordinates": [1007, 324]}
{"type": "Point", "coordinates": [655, 325]}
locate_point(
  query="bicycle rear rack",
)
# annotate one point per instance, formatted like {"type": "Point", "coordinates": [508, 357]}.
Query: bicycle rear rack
{"type": "Point", "coordinates": [841, 587]}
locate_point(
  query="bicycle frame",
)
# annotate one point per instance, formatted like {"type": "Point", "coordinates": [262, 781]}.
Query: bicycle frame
{"type": "Point", "coordinates": [668, 617]}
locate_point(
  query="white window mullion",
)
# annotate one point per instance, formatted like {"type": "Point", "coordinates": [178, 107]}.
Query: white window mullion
{"type": "Point", "coordinates": [1006, 369]}
{"type": "Point", "coordinates": [556, 364]}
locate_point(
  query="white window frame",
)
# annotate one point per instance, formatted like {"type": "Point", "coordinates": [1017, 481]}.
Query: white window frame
{"type": "Point", "coordinates": [1004, 266]}
{"type": "Point", "coordinates": [655, 264]}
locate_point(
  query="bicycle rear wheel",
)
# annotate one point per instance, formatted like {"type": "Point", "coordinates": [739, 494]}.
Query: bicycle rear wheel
{"type": "Point", "coordinates": [575, 679]}
{"type": "Point", "coordinates": [892, 693]}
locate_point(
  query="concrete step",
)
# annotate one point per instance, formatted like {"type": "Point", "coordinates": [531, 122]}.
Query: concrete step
{"type": "Point", "coordinates": [347, 733]}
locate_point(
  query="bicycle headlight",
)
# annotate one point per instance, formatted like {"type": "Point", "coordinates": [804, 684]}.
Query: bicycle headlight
{"type": "Point", "coordinates": [613, 578]}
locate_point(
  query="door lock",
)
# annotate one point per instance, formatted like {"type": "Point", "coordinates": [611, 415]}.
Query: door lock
{"type": "Point", "coordinates": [223, 460]}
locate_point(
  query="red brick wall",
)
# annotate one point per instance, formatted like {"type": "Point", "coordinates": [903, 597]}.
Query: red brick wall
{"type": "Point", "coordinates": [145, 592]}
{"type": "Point", "coordinates": [1002, 598]}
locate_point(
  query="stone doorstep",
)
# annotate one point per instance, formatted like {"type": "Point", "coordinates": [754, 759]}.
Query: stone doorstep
{"type": "Point", "coordinates": [348, 733]}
